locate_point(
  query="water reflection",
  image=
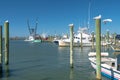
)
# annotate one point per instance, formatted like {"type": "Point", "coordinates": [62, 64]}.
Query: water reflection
{"type": "Point", "coordinates": [71, 74]}
{"type": "Point", "coordinates": [0, 71]}
{"type": "Point", "coordinates": [5, 73]}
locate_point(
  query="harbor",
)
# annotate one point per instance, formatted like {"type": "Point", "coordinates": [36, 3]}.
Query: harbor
{"type": "Point", "coordinates": [47, 58]}
{"type": "Point", "coordinates": [59, 40]}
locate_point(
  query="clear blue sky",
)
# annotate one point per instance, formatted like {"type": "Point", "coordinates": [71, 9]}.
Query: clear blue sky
{"type": "Point", "coordinates": [55, 15]}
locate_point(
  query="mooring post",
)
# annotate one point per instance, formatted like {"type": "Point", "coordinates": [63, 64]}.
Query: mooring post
{"type": "Point", "coordinates": [0, 44]}
{"type": "Point", "coordinates": [92, 40]}
{"type": "Point", "coordinates": [107, 38]}
{"type": "Point", "coordinates": [81, 41]}
{"type": "Point", "coordinates": [71, 45]}
{"type": "Point", "coordinates": [115, 38]}
{"type": "Point", "coordinates": [6, 27]}
{"type": "Point", "coordinates": [0, 48]}
{"type": "Point", "coordinates": [98, 47]}
{"type": "Point", "coordinates": [107, 35]}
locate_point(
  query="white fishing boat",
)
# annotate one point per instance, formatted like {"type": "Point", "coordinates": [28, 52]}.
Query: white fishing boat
{"type": "Point", "coordinates": [33, 40]}
{"type": "Point", "coordinates": [110, 67]}
{"type": "Point", "coordinates": [33, 37]}
{"type": "Point", "coordinates": [86, 39]}
{"type": "Point", "coordinates": [30, 38]}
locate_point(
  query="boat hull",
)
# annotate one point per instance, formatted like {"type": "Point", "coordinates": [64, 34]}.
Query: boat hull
{"type": "Point", "coordinates": [75, 44]}
{"type": "Point", "coordinates": [108, 71]}
{"type": "Point", "coordinates": [36, 41]}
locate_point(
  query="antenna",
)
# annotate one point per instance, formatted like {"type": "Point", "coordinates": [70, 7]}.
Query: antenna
{"type": "Point", "coordinates": [89, 15]}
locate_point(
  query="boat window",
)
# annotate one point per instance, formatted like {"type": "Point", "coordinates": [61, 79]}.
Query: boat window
{"type": "Point", "coordinates": [76, 37]}
{"type": "Point", "coordinates": [113, 64]}
{"type": "Point", "coordinates": [118, 67]}
{"type": "Point", "coordinates": [83, 38]}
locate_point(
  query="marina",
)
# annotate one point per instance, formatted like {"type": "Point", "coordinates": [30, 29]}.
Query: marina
{"type": "Point", "coordinates": [47, 51]}
{"type": "Point", "coordinates": [75, 40]}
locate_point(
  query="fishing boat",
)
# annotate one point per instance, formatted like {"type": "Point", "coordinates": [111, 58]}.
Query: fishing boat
{"type": "Point", "coordinates": [110, 67]}
{"type": "Point", "coordinates": [85, 38]}
{"type": "Point", "coordinates": [33, 37]}
{"type": "Point", "coordinates": [82, 37]}
{"type": "Point", "coordinates": [30, 38]}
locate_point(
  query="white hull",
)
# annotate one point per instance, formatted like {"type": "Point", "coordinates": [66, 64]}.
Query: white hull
{"type": "Point", "coordinates": [75, 44]}
{"type": "Point", "coordinates": [108, 69]}
{"type": "Point", "coordinates": [93, 54]}
{"type": "Point", "coordinates": [37, 41]}
{"type": "Point", "coordinates": [63, 43]}
{"type": "Point", "coordinates": [81, 36]}
{"type": "Point", "coordinates": [28, 40]}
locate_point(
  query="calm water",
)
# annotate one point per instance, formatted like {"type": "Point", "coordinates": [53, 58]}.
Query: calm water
{"type": "Point", "coordinates": [47, 61]}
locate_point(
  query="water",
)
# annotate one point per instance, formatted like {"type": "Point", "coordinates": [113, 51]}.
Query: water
{"type": "Point", "coordinates": [47, 61]}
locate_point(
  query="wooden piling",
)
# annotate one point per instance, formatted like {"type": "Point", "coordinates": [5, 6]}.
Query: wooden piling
{"type": "Point", "coordinates": [115, 38]}
{"type": "Point", "coordinates": [71, 45]}
{"type": "Point", "coordinates": [92, 40]}
{"type": "Point", "coordinates": [81, 41]}
{"type": "Point", "coordinates": [0, 44]}
{"type": "Point", "coordinates": [6, 29]}
{"type": "Point", "coordinates": [0, 49]}
{"type": "Point", "coordinates": [98, 49]}
{"type": "Point", "coordinates": [108, 36]}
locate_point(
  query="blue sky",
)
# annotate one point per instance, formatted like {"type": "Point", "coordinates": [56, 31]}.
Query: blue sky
{"type": "Point", "coordinates": [55, 15]}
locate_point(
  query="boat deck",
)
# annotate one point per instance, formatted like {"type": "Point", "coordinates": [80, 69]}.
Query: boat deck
{"type": "Point", "coordinates": [116, 48]}
{"type": "Point", "coordinates": [105, 61]}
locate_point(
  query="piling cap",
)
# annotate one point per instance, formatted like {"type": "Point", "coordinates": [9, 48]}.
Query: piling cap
{"type": "Point", "coordinates": [71, 25]}
{"type": "Point", "coordinates": [107, 20]}
{"type": "Point", "coordinates": [97, 17]}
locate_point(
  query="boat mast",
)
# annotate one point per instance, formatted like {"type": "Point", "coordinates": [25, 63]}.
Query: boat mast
{"type": "Point", "coordinates": [28, 26]}
{"type": "Point", "coordinates": [88, 25]}
{"type": "Point", "coordinates": [36, 26]}
{"type": "Point", "coordinates": [32, 31]}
